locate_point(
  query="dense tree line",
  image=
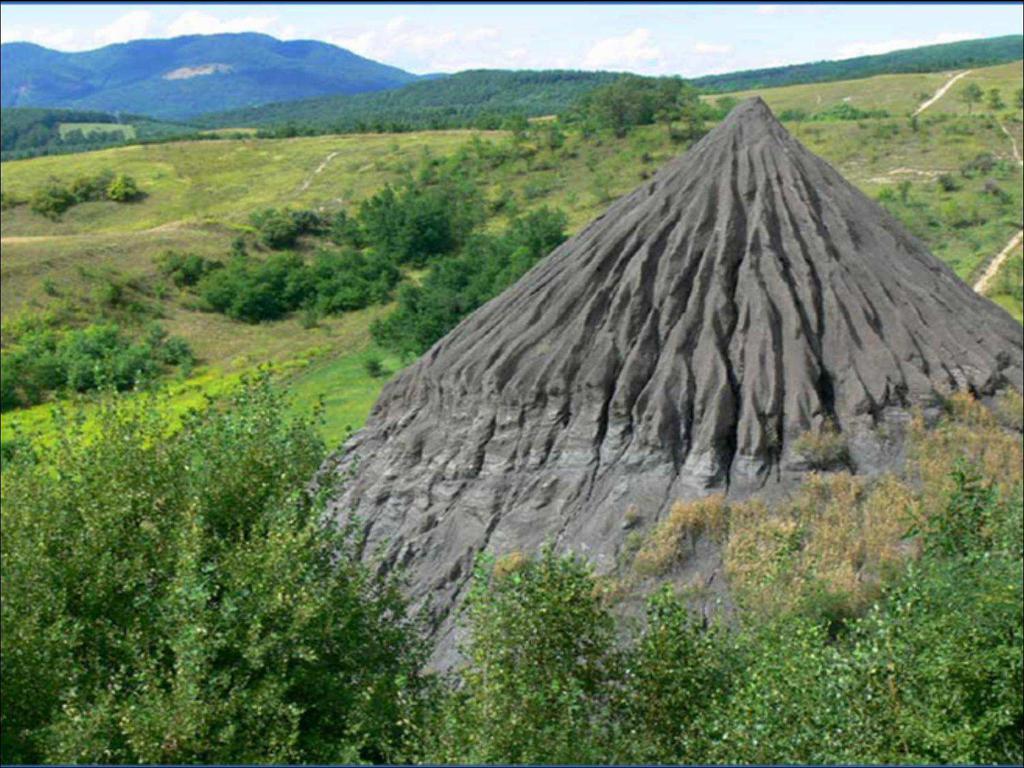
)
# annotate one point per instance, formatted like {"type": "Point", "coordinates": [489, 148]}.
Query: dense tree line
{"type": "Point", "coordinates": [176, 598]}
{"type": "Point", "coordinates": [475, 97]}
{"type": "Point", "coordinates": [33, 131]}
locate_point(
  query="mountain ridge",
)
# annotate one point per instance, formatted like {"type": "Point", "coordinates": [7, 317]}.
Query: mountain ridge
{"type": "Point", "coordinates": [180, 77]}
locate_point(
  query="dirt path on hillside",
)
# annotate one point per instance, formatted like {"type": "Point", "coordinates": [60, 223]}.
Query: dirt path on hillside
{"type": "Point", "coordinates": [1013, 142]}
{"type": "Point", "coordinates": [168, 226]}
{"type": "Point", "coordinates": [990, 271]}
{"type": "Point", "coordinates": [941, 92]}
{"type": "Point", "coordinates": [318, 171]}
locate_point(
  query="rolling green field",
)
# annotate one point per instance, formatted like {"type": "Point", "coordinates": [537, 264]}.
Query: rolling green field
{"type": "Point", "coordinates": [900, 95]}
{"type": "Point", "coordinates": [199, 195]}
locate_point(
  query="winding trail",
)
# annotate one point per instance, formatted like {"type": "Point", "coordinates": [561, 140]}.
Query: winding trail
{"type": "Point", "coordinates": [1013, 142]}
{"type": "Point", "coordinates": [941, 92]}
{"type": "Point", "coordinates": [167, 226]}
{"type": "Point", "coordinates": [993, 267]}
{"type": "Point", "coordinates": [319, 170]}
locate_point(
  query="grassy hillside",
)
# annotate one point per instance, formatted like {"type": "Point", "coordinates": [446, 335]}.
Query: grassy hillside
{"type": "Point", "coordinates": [899, 95]}
{"type": "Point", "coordinates": [221, 180]}
{"type": "Point", "coordinates": [198, 197]}
{"type": "Point", "coordinates": [929, 58]}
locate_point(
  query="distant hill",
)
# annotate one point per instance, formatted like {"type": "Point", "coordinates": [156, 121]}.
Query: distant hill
{"type": "Point", "coordinates": [929, 58]}
{"type": "Point", "coordinates": [472, 97]}
{"type": "Point", "coordinates": [184, 76]}
{"type": "Point", "coordinates": [434, 102]}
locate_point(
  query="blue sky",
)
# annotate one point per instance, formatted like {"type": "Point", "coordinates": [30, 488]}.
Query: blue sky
{"type": "Point", "coordinates": [685, 39]}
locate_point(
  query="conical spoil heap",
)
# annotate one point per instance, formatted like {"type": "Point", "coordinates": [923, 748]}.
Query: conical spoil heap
{"type": "Point", "coordinates": [676, 346]}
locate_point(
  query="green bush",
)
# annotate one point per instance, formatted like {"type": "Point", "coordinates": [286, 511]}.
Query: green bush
{"type": "Point", "coordinates": [55, 198]}
{"type": "Point", "coordinates": [44, 362]}
{"type": "Point", "coordinates": [280, 229]}
{"type": "Point", "coordinates": [542, 660]}
{"type": "Point", "coordinates": [91, 188]}
{"type": "Point", "coordinates": [185, 269]}
{"type": "Point", "coordinates": [52, 200]}
{"type": "Point", "coordinates": [180, 599]}
{"type": "Point", "coordinates": [123, 189]}
{"type": "Point", "coordinates": [456, 286]}
{"type": "Point", "coordinates": [276, 228]}
{"type": "Point", "coordinates": [420, 221]}
{"type": "Point", "coordinates": [255, 290]}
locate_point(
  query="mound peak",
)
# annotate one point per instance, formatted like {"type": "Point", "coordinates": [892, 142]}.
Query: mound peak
{"type": "Point", "coordinates": [677, 346]}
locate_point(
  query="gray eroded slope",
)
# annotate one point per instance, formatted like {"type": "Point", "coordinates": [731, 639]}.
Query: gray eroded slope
{"type": "Point", "coordinates": [677, 346]}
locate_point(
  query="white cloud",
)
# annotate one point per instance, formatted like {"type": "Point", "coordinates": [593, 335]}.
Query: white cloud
{"type": "Point", "coordinates": [480, 33]}
{"type": "Point", "coordinates": [62, 39]}
{"type": "Point", "coordinates": [200, 23]}
{"type": "Point", "coordinates": [131, 26]}
{"type": "Point", "coordinates": [773, 10]}
{"type": "Point", "coordinates": [711, 48]}
{"type": "Point", "coordinates": [632, 50]}
{"type": "Point", "coordinates": [885, 46]}
{"type": "Point", "coordinates": [428, 49]}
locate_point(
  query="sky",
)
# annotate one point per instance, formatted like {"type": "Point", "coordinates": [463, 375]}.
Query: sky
{"type": "Point", "coordinates": [682, 39]}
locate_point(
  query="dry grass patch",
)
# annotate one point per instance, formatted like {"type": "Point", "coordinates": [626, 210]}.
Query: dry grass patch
{"type": "Point", "coordinates": [510, 563]}
{"type": "Point", "coordinates": [1009, 409]}
{"type": "Point", "coordinates": [837, 536]}
{"type": "Point", "coordinates": [686, 521]}
{"type": "Point", "coordinates": [970, 432]}
{"type": "Point", "coordinates": [823, 449]}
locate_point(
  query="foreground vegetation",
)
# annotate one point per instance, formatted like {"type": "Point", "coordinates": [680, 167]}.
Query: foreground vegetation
{"type": "Point", "coordinates": [179, 598]}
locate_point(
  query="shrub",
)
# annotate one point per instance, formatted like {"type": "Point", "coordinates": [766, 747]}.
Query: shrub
{"type": "Point", "coordinates": [277, 229]}
{"type": "Point", "coordinates": [948, 183]}
{"type": "Point", "coordinates": [52, 200]}
{"type": "Point", "coordinates": [91, 188]}
{"type": "Point", "coordinates": [541, 657]}
{"type": "Point", "coordinates": [420, 221]}
{"type": "Point", "coordinates": [982, 163]}
{"type": "Point", "coordinates": [678, 673]}
{"type": "Point", "coordinates": [185, 269]}
{"type": "Point", "coordinates": [458, 285]}
{"type": "Point", "coordinates": [251, 290]}
{"type": "Point", "coordinates": [824, 449]}
{"type": "Point", "coordinates": [374, 367]}
{"type": "Point", "coordinates": [280, 229]}
{"type": "Point", "coordinates": [43, 363]}
{"type": "Point", "coordinates": [123, 189]}
{"type": "Point", "coordinates": [180, 599]}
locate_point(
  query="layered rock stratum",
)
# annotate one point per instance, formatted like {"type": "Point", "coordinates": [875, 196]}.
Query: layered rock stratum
{"type": "Point", "coordinates": [677, 346]}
